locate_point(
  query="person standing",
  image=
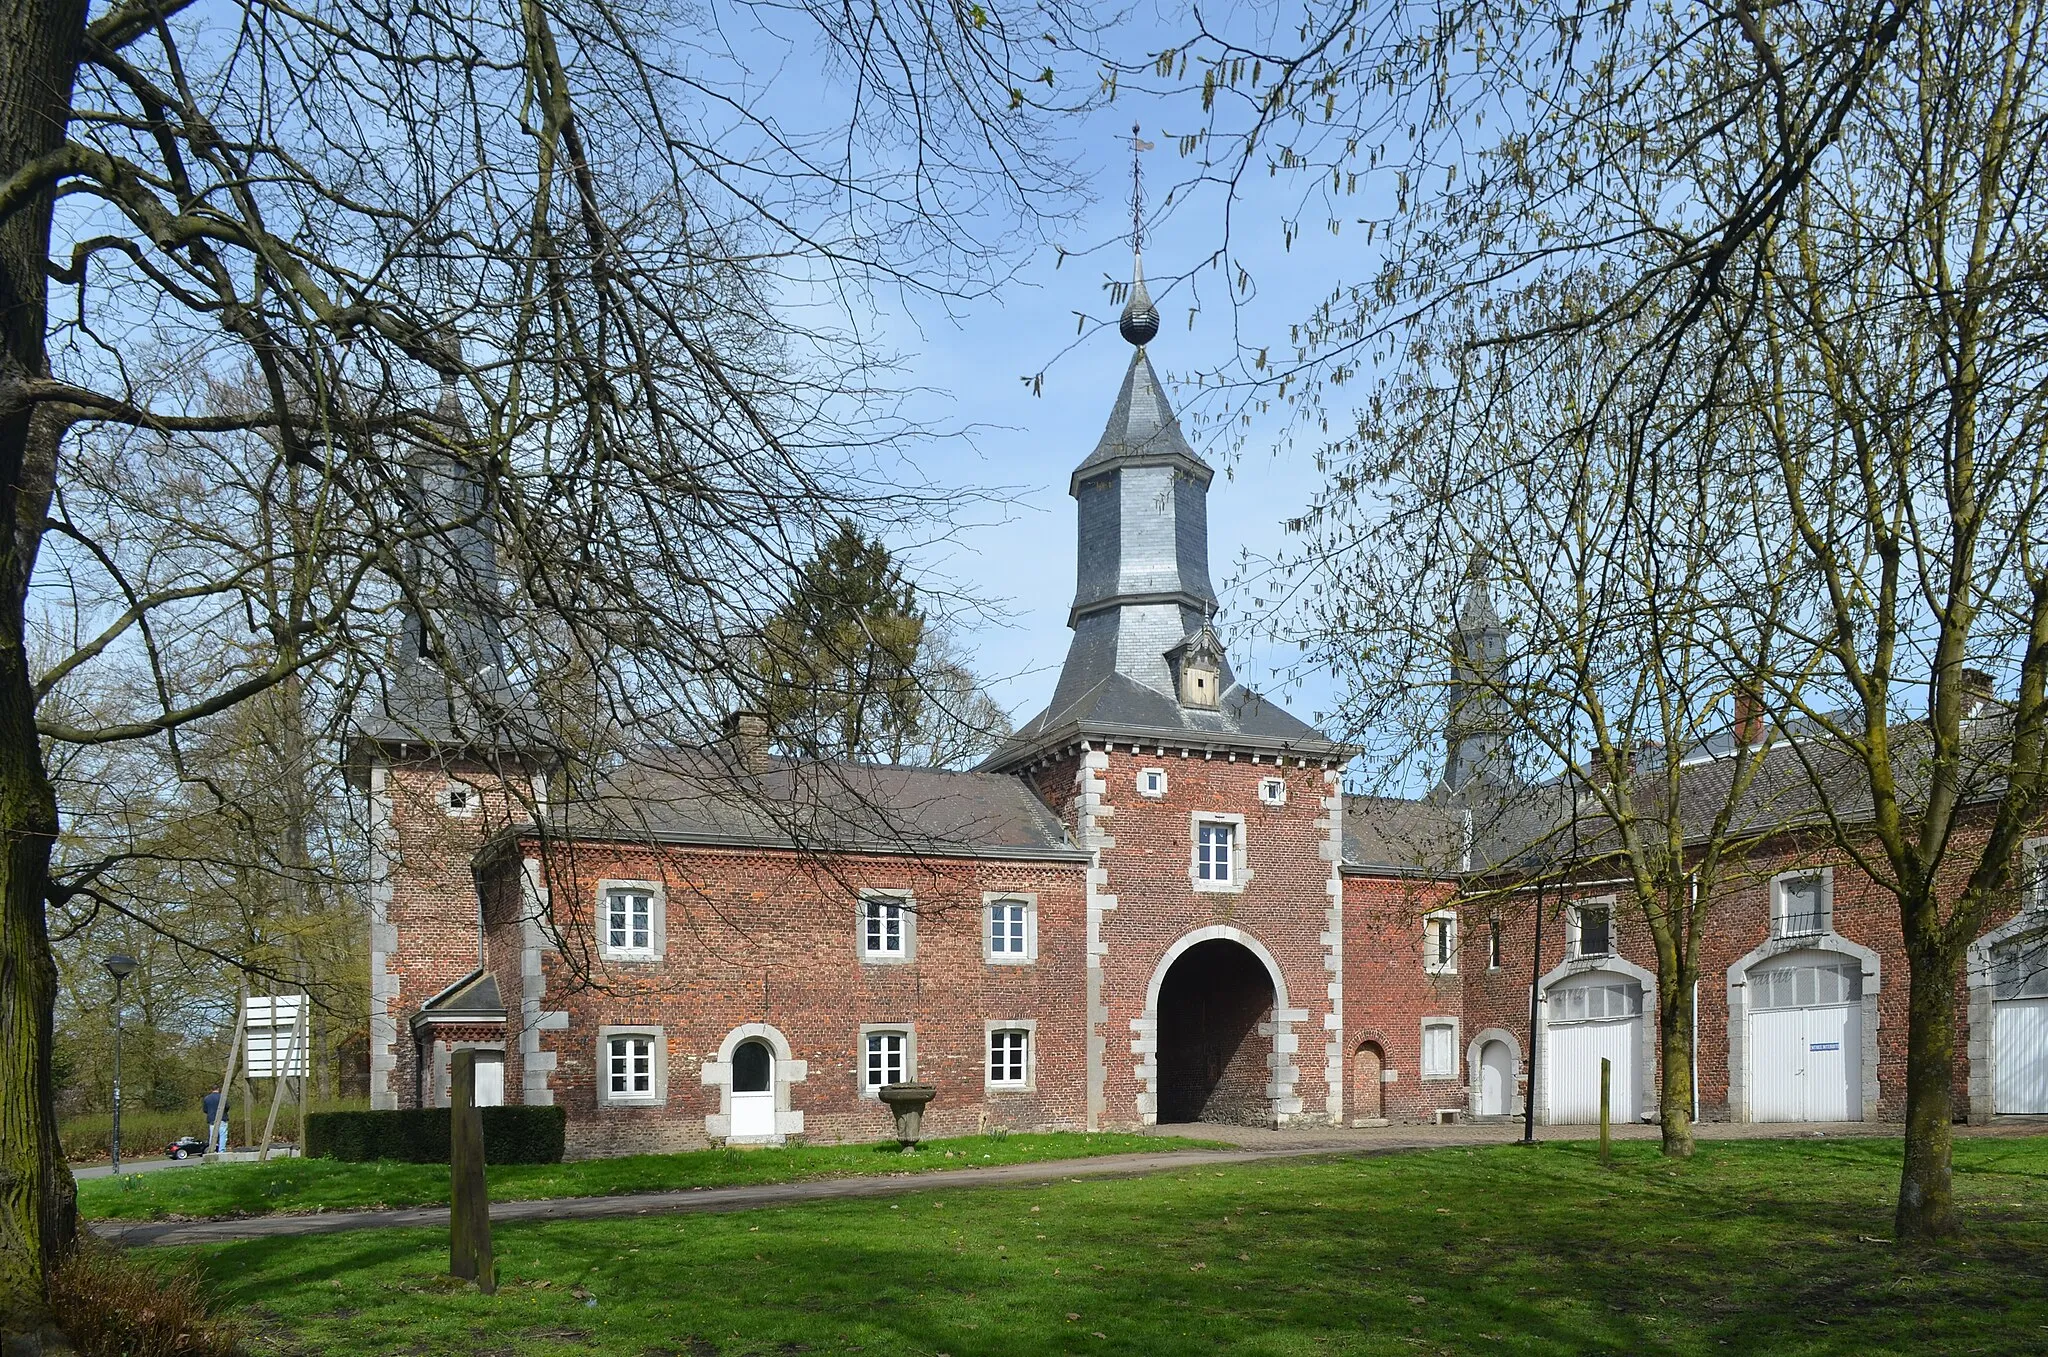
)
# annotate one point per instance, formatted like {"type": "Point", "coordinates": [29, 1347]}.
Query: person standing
{"type": "Point", "coordinates": [212, 1104]}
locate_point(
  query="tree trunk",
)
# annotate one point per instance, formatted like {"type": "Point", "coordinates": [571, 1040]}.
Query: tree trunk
{"type": "Point", "coordinates": [1675, 1042]}
{"type": "Point", "coordinates": [1927, 1201]}
{"type": "Point", "coordinates": [39, 42]}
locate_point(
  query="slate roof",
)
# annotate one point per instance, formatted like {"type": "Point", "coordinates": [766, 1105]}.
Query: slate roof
{"type": "Point", "coordinates": [1121, 707]}
{"type": "Point", "coordinates": [1142, 426]}
{"type": "Point", "coordinates": [1392, 834]}
{"type": "Point", "coordinates": [474, 998]}
{"type": "Point", "coordinates": [700, 797]}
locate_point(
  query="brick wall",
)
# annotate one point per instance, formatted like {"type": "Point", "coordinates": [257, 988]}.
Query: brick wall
{"type": "Point", "coordinates": [767, 937]}
{"type": "Point", "coordinates": [1388, 993]}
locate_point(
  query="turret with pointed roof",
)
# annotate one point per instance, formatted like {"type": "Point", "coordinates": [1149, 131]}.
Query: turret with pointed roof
{"type": "Point", "coordinates": [1475, 736]}
{"type": "Point", "coordinates": [1142, 599]}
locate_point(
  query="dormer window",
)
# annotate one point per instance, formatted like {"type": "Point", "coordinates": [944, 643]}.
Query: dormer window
{"type": "Point", "coordinates": [1198, 667]}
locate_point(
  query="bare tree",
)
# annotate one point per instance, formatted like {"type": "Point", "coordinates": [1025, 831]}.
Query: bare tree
{"type": "Point", "coordinates": [336, 299]}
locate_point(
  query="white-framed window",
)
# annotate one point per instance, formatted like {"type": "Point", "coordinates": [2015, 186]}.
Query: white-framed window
{"type": "Point", "coordinates": [1009, 1056]}
{"type": "Point", "coordinates": [1439, 1048]}
{"type": "Point", "coordinates": [1009, 933]}
{"type": "Point", "coordinates": [632, 1067]}
{"type": "Point", "coordinates": [2034, 875]}
{"type": "Point", "coordinates": [888, 1055]}
{"type": "Point", "coordinates": [1589, 925]}
{"type": "Point", "coordinates": [1440, 943]}
{"type": "Point", "coordinates": [1802, 902]}
{"type": "Point", "coordinates": [632, 923]}
{"type": "Point", "coordinates": [1217, 860]}
{"type": "Point", "coordinates": [1152, 783]}
{"type": "Point", "coordinates": [1493, 943]}
{"type": "Point", "coordinates": [459, 799]}
{"type": "Point", "coordinates": [1273, 791]}
{"type": "Point", "coordinates": [888, 928]}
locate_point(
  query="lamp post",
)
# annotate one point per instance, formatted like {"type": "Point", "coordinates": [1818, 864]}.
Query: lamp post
{"type": "Point", "coordinates": [120, 966]}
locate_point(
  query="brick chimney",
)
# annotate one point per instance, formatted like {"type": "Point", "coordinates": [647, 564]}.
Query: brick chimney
{"type": "Point", "coordinates": [1976, 693]}
{"type": "Point", "coordinates": [1749, 718]}
{"type": "Point", "coordinates": [746, 734]}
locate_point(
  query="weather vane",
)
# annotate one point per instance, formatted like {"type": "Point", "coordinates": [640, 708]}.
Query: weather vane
{"type": "Point", "coordinates": [1138, 146]}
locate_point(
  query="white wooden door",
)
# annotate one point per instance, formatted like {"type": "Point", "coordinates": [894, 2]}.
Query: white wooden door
{"type": "Point", "coordinates": [1496, 1076]}
{"type": "Point", "coordinates": [753, 1090]}
{"type": "Point", "coordinates": [2019, 1044]}
{"type": "Point", "coordinates": [753, 1114]}
{"type": "Point", "coordinates": [1573, 1079]}
{"type": "Point", "coordinates": [1806, 1064]}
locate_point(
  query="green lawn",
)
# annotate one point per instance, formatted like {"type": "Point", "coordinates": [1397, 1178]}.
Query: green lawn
{"type": "Point", "coordinates": [1751, 1248]}
{"type": "Point", "coordinates": [286, 1185]}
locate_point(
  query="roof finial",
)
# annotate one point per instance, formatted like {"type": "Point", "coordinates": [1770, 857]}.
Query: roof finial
{"type": "Point", "coordinates": [1140, 320]}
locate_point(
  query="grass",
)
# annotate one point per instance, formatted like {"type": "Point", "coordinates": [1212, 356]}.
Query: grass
{"type": "Point", "coordinates": [305, 1185]}
{"type": "Point", "coordinates": [1752, 1247]}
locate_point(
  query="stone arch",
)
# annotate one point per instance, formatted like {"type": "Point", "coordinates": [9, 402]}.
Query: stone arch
{"type": "Point", "coordinates": [789, 1071]}
{"type": "Point", "coordinates": [1573, 969]}
{"type": "Point", "coordinates": [1517, 1071]}
{"type": "Point", "coordinates": [1282, 1074]}
{"type": "Point", "coordinates": [1738, 1012]}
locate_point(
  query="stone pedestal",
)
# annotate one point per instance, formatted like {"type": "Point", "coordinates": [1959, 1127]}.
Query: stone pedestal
{"type": "Point", "coordinates": [908, 1101]}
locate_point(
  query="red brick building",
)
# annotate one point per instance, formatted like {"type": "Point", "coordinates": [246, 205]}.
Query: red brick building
{"type": "Point", "coordinates": [1154, 904]}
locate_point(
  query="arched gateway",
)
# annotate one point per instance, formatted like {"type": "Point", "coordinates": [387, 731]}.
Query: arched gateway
{"type": "Point", "coordinates": [1214, 1000]}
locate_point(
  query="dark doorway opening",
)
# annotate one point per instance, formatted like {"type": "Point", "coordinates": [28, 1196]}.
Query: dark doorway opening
{"type": "Point", "coordinates": [1213, 1062]}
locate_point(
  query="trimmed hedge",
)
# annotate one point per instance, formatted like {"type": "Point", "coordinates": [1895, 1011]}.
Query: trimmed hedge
{"type": "Point", "coordinates": [512, 1135]}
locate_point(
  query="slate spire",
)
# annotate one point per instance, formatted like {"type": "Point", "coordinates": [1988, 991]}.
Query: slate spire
{"type": "Point", "coordinates": [1475, 735]}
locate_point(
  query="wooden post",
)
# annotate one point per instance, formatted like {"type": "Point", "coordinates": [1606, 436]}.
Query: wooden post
{"type": "Point", "coordinates": [291, 1056]}
{"type": "Point", "coordinates": [1606, 1083]}
{"type": "Point", "coordinates": [227, 1076]}
{"type": "Point", "coordinates": [469, 1222]}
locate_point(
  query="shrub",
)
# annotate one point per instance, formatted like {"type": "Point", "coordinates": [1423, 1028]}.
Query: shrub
{"type": "Point", "coordinates": [512, 1135]}
{"type": "Point", "coordinates": [113, 1304]}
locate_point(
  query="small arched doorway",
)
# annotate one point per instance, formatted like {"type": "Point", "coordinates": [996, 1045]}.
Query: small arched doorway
{"type": "Point", "coordinates": [1496, 1079]}
{"type": "Point", "coordinates": [753, 1089]}
{"type": "Point", "coordinates": [1368, 1083]}
{"type": "Point", "coordinates": [1214, 1063]}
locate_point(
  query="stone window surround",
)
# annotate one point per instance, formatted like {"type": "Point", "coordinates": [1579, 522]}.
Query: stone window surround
{"type": "Point", "coordinates": [1272, 791]}
{"type": "Point", "coordinates": [1028, 899]}
{"type": "Point", "coordinates": [470, 797]}
{"type": "Point", "coordinates": [1571, 928]}
{"type": "Point", "coordinates": [1240, 868]}
{"type": "Point", "coordinates": [907, 1030]}
{"type": "Point", "coordinates": [1451, 1021]}
{"type": "Point", "coordinates": [1028, 1026]}
{"type": "Point", "coordinates": [1738, 1009]}
{"type": "Point", "coordinates": [1146, 773]}
{"type": "Point", "coordinates": [908, 907]}
{"type": "Point", "coordinates": [657, 1066]}
{"type": "Point", "coordinates": [789, 1072]}
{"type": "Point", "coordinates": [1430, 964]}
{"type": "Point", "coordinates": [657, 921]}
{"type": "Point", "coordinates": [1827, 901]}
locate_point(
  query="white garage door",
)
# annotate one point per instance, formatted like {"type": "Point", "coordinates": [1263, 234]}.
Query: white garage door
{"type": "Point", "coordinates": [1806, 1039]}
{"type": "Point", "coordinates": [2019, 1044]}
{"type": "Point", "coordinates": [1590, 1018]}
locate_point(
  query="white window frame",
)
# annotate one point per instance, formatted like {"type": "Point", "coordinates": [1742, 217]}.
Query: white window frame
{"type": "Point", "coordinates": [1827, 902]}
{"type": "Point", "coordinates": [1571, 926]}
{"type": "Point", "coordinates": [907, 1031]}
{"type": "Point", "coordinates": [2033, 877]}
{"type": "Point", "coordinates": [1152, 783]}
{"type": "Point", "coordinates": [469, 794]}
{"type": "Point", "coordinates": [657, 921]}
{"type": "Point", "coordinates": [1422, 1049]}
{"type": "Point", "coordinates": [906, 934]}
{"type": "Point", "coordinates": [994, 900]}
{"type": "Point", "coordinates": [657, 1066]}
{"type": "Point", "coordinates": [1273, 791]}
{"type": "Point", "coordinates": [1240, 870]}
{"type": "Point", "coordinates": [1442, 922]}
{"type": "Point", "coordinates": [1029, 1028]}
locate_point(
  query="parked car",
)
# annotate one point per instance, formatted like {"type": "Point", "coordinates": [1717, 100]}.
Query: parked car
{"type": "Point", "coordinates": [184, 1147]}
